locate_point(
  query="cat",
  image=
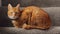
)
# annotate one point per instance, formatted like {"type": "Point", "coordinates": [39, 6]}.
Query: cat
{"type": "Point", "coordinates": [31, 17]}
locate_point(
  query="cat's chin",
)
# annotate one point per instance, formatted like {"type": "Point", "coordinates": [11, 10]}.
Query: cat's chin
{"type": "Point", "coordinates": [12, 18]}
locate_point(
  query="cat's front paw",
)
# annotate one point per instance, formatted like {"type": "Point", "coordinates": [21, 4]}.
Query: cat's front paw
{"type": "Point", "coordinates": [16, 26]}
{"type": "Point", "coordinates": [25, 26]}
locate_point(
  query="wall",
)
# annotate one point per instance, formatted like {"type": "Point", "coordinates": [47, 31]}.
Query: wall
{"type": "Point", "coordinates": [0, 3]}
{"type": "Point", "coordinates": [41, 3]}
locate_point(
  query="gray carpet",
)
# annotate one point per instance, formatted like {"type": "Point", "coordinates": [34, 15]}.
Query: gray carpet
{"type": "Point", "coordinates": [12, 30]}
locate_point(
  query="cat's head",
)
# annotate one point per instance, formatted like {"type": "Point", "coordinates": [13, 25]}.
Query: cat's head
{"type": "Point", "coordinates": [13, 12]}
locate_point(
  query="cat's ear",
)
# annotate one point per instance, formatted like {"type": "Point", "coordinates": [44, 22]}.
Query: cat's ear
{"type": "Point", "coordinates": [9, 6]}
{"type": "Point", "coordinates": [18, 5]}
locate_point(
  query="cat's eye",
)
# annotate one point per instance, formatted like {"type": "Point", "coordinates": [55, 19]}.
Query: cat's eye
{"type": "Point", "coordinates": [11, 12]}
{"type": "Point", "coordinates": [17, 12]}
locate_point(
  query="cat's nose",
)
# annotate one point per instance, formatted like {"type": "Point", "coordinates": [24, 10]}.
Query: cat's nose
{"type": "Point", "coordinates": [13, 14]}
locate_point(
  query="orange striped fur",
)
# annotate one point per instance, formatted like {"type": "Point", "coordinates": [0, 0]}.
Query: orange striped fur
{"type": "Point", "coordinates": [30, 17]}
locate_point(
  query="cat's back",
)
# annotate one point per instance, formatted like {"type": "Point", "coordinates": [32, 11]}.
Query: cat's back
{"type": "Point", "coordinates": [35, 10]}
{"type": "Point", "coordinates": [31, 8]}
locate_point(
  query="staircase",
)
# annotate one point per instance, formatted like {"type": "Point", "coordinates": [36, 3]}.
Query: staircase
{"type": "Point", "coordinates": [52, 7]}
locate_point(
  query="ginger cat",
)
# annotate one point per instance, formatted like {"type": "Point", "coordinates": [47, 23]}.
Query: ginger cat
{"type": "Point", "coordinates": [30, 17]}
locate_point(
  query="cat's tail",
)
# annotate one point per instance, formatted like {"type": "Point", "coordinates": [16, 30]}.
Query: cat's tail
{"type": "Point", "coordinates": [38, 27]}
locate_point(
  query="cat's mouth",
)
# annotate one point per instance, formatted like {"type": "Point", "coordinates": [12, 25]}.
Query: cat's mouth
{"type": "Point", "coordinates": [13, 18]}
